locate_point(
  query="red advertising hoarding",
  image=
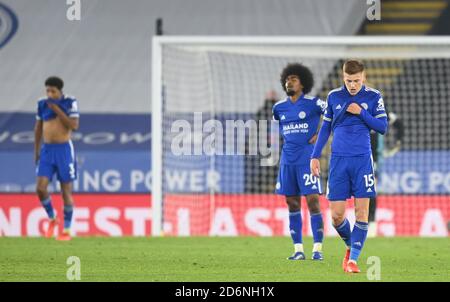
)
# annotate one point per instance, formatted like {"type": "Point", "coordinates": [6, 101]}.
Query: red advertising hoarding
{"type": "Point", "coordinates": [218, 215]}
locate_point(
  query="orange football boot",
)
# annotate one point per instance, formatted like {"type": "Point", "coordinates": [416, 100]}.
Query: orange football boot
{"type": "Point", "coordinates": [52, 224]}
{"type": "Point", "coordinates": [64, 236]}
{"type": "Point", "coordinates": [345, 261]}
{"type": "Point", "coordinates": [352, 267]}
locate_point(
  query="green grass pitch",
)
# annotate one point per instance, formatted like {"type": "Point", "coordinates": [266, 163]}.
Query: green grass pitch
{"type": "Point", "coordinates": [217, 259]}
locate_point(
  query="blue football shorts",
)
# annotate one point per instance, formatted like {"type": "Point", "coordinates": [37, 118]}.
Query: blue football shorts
{"type": "Point", "coordinates": [58, 159]}
{"type": "Point", "coordinates": [351, 176]}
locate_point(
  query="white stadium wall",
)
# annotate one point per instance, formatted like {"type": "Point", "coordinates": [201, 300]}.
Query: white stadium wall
{"type": "Point", "coordinates": [105, 58]}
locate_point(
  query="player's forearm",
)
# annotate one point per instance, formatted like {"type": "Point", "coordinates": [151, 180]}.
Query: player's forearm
{"type": "Point", "coordinates": [379, 125]}
{"type": "Point", "coordinates": [322, 139]}
{"type": "Point", "coordinates": [37, 138]}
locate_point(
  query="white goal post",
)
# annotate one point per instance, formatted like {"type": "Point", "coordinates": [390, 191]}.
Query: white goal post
{"type": "Point", "coordinates": [318, 52]}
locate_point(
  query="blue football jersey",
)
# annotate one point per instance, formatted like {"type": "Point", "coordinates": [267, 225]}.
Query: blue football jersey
{"type": "Point", "coordinates": [68, 104]}
{"type": "Point", "coordinates": [351, 136]}
{"type": "Point", "coordinates": [298, 123]}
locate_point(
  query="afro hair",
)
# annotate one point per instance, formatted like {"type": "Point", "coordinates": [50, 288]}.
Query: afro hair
{"type": "Point", "coordinates": [304, 74]}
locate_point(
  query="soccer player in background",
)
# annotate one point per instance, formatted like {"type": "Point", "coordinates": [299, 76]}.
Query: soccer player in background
{"type": "Point", "coordinates": [352, 111]}
{"type": "Point", "coordinates": [299, 116]}
{"type": "Point", "coordinates": [57, 116]}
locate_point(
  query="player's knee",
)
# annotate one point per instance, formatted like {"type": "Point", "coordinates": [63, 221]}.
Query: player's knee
{"type": "Point", "coordinates": [293, 204]}
{"type": "Point", "coordinates": [293, 207]}
{"type": "Point", "coordinates": [313, 205]}
{"type": "Point", "coordinates": [314, 209]}
{"type": "Point", "coordinates": [337, 218]}
{"type": "Point", "coordinates": [67, 197]}
{"type": "Point", "coordinates": [41, 190]}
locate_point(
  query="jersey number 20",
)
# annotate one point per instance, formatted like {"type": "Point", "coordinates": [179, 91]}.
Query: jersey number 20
{"type": "Point", "coordinates": [309, 179]}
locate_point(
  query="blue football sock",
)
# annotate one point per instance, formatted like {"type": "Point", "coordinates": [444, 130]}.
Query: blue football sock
{"type": "Point", "coordinates": [359, 235]}
{"type": "Point", "coordinates": [47, 204]}
{"type": "Point", "coordinates": [295, 226]}
{"type": "Point", "coordinates": [344, 231]}
{"type": "Point", "coordinates": [317, 227]}
{"type": "Point", "coordinates": [68, 212]}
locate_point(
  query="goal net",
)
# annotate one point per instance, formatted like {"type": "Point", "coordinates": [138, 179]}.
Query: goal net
{"type": "Point", "coordinates": [215, 150]}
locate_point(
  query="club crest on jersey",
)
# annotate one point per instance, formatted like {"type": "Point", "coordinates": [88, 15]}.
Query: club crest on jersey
{"type": "Point", "coordinates": [380, 105]}
{"type": "Point", "coordinates": [302, 115]}
{"type": "Point", "coordinates": [365, 106]}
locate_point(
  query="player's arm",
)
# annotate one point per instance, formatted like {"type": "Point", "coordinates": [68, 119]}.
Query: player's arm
{"type": "Point", "coordinates": [38, 130]}
{"type": "Point", "coordinates": [322, 139]}
{"type": "Point", "coordinates": [70, 122]}
{"type": "Point", "coordinates": [321, 107]}
{"type": "Point", "coordinates": [377, 122]}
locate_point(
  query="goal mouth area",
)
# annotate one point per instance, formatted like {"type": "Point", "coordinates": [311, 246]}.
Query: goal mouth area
{"type": "Point", "coordinates": [376, 47]}
{"type": "Point", "coordinates": [226, 76]}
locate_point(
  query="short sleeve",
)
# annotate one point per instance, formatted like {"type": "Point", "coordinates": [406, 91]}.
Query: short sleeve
{"type": "Point", "coordinates": [275, 114]}
{"type": "Point", "coordinates": [39, 112]}
{"type": "Point", "coordinates": [73, 110]}
{"type": "Point", "coordinates": [378, 110]}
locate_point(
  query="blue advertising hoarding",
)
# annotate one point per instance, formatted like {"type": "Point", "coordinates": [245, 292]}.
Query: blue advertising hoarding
{"type": "Point", "coordinates": [113, 152]}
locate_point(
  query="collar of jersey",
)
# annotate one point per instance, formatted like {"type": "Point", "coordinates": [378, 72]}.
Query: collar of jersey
{"type": "Point", "coordinates": [296, 102]}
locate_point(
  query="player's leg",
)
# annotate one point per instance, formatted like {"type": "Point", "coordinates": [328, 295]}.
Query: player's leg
{"type": "Point", "coordinates": [46, 202]}
{"type": "Point", "coordinates": [363, 186]}
{"type": "Point", "coordinates": [338, 191]}
{"type": "Point", "coordinates": [44, 172]}
{"type": "Point", "coordinates": [342, 227]}
{"type": "Point", "coordinates": [311, 188]}
{"type": "Point", "coordinates": [287, 186]}
{"type": "Point", "coordinates": [316, 225]}
{"type": "Point", "coordinates": [67, 173]}
{"type": "Point", "coordinates": [295, 226]}
{"type": "Point", "coordinates": [44, 197]}
{"type": "Point", "coordinates": [359, 233]}
{"type": "Point", "coordinates": [339, 221]}
{"type": "Point", "coordinates": [66, 190]}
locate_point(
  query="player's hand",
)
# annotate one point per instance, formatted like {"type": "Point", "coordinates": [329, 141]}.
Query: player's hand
{"type": "Point", "coordinates": [354, 109]}
{"type": "Point", "coordinates": [315, 167]}
{"type": "Point", "coordinates": [52, 105]}
{"type": "Point", "coordinates": [313, 139]}
{"type": "Point", "coordinates": [37, 156]}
